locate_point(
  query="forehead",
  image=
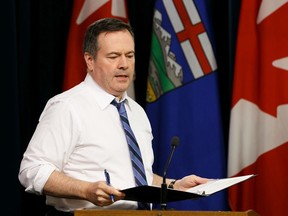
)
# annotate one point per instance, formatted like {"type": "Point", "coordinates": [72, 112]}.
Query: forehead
{"type": "Point", "coordinates": [115, 40]}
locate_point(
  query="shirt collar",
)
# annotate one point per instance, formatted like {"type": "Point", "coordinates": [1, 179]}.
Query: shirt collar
{"type": "Point", "coordinates": [104, 98]}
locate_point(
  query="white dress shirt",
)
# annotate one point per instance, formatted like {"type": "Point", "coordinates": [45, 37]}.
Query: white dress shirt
{"type": "Point", "coordinates": [80, 134]}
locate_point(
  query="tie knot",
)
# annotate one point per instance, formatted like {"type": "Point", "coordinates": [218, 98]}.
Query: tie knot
{"type": "Point", "coordinates": [120, 106]}
{"type": "Point", "coordinates": [115, 103]}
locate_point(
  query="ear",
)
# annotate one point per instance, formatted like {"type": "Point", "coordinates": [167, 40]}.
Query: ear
{"type": "Point", "coordinates": [89, 61]}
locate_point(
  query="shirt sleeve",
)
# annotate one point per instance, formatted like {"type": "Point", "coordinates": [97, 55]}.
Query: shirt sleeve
{"type": "Point", "coordinates": [50, 145]}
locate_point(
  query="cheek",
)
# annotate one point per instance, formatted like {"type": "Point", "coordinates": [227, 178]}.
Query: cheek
{"type": "Point", "coordinates": [106, 78]}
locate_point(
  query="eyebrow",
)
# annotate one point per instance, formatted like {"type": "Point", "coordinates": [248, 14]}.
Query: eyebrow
{"type": "Point", "coordinates": [119, 53]}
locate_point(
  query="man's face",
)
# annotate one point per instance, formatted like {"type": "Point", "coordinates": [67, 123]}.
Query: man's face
{"type": "Point", "coordinates": [113, 67]}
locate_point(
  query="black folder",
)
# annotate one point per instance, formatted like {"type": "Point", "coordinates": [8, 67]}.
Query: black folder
{"type": "Point", "coordinates": [152, 194]}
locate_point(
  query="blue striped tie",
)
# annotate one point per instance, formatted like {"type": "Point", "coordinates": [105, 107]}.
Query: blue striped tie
{"type": "Point", "coordinates": [135, 154]}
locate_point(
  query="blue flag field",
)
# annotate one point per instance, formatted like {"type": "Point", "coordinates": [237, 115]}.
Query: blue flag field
{"type": "Point", "coordinates": [182, 98]}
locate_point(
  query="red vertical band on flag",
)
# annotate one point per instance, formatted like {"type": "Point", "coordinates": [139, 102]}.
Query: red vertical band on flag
{"type": "Point", "coordinates": [258, 141]}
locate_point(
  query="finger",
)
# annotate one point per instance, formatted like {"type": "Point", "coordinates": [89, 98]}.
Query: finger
{"type": "Point", "coordinates": [103, 197]}
{"type": "Point", "coordinates": [114, 193]}
{"type": "Point", "coordinates": [103, 201]}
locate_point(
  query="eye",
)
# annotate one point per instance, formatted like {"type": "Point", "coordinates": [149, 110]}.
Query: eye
{"type": "Point", "coordinates": [113, 56]}
{"type": "Point", "coordinates": [130, 55]}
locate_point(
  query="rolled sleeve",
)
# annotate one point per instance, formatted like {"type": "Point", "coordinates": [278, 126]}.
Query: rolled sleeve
{"type": "Point", "coordinates": [41, 174]}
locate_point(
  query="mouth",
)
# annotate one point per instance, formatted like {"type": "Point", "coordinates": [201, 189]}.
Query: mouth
{"type": "Point", "coordinates": [122, 77]}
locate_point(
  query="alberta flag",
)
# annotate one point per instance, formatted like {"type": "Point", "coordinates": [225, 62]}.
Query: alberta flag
{"type": "Point", "coordinates": [182, 98]}
{"type": "Point", "coordinates": [258, 140]}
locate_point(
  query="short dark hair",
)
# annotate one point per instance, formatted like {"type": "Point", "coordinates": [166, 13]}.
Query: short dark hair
{"type": "Point", "coordinates": [90, 43]}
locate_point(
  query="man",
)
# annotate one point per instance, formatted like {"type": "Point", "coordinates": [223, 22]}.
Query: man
{"type": "Point", "coordinates": [79, 134]}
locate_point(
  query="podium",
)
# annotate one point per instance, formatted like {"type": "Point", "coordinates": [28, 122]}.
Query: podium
{"type": "Point", "coordinates": [161, 213]}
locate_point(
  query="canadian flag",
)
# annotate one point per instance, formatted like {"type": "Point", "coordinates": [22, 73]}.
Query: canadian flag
{"type": "Point", "coordinates": [84, 13]}
{"type": "Point", "coordinates": [258, 140]}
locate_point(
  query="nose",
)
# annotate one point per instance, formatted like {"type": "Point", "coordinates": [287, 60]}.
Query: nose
{"type": "Point", "coordinates": [123, 63]}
